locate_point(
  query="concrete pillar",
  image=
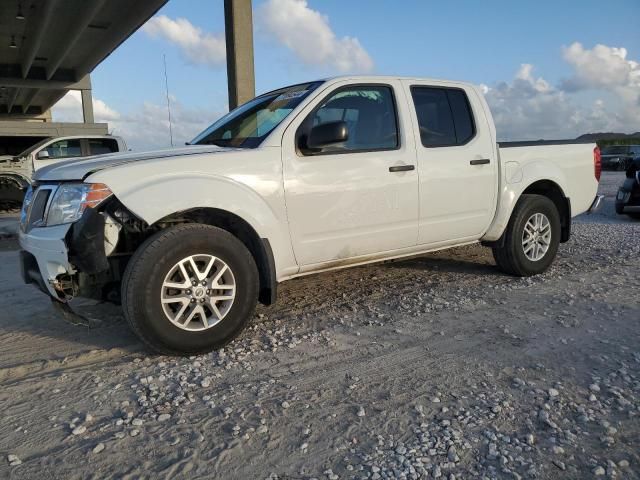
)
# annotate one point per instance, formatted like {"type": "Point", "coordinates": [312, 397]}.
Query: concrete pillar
{"type": "Point", "coordinates": [87, 106]}
{"type": "Point", "coordinates": [239, 35]}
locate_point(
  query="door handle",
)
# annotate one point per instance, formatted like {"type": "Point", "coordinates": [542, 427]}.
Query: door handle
{"type": "Point", "coordinates": [402, 168]}
{"type": "Point", "coordinates": [482, 161]}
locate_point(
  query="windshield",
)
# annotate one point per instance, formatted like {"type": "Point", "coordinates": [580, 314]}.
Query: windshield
{"type": "Point", "coordinates": [249, 124]}
{"type": "Point", "coordinates": [33, 147]}
{"type": "Point", "coordinates": [620, 150]}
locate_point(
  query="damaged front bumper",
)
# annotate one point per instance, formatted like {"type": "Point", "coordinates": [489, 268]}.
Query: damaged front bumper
{"type": "Point", "coordinates": [68, 260]}
{"type": "Point", "coordinates": [44, 260]}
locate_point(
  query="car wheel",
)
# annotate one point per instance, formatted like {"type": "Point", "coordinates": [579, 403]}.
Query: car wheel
{"type": "Point", "coordinates": [619, 208]}
{"type": "Point", "coordinates": [189, 289]}
{"type": "Point", "coordinates": [11, 195]}
{"type": "Point", "coordinates": [531, 238]}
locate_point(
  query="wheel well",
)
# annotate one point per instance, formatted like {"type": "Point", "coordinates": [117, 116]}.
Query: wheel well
{"type": "Point", "coordinates": [553, 192]}
{"type": "Point", "coordinates": [260, 248]}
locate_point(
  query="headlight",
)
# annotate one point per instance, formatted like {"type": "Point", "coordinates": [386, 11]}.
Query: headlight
{"type": "Point", "coordinates": [71, 200]}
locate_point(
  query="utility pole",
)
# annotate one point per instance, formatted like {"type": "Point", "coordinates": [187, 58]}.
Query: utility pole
{"type": "Point", "coordinates": [238, 23]}
{"type": "Point", "coordinates": [166, 85]}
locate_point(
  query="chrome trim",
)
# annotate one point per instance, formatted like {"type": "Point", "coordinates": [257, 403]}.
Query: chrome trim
{"type": "Point", "coordinates": [596, 204]}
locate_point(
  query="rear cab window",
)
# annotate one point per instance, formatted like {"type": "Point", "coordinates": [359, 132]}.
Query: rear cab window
{"type": "Point", "coordinates": [445, 118]}
{"type": "Point", "coordinates": [100, 146]}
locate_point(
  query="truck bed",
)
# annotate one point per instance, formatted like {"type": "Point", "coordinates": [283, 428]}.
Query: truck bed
{"type": "Point", "coordinates": [533, 143]}
{"type": "Point", "coordinates": [568, 163]}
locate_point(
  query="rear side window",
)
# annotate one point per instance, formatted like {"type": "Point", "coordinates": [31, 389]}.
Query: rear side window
{"type": "Point", "coordinates": [100, 146]}
{"type": "Point", "coordinates": [444, 116]}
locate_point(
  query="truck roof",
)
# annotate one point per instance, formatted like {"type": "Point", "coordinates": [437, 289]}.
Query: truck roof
{"type": "Point", "coordinates": [382, 78]}
{"type": "Point", "coordinates": [377, 79]}
{"type": "Point", "coordinates": [83, 136]}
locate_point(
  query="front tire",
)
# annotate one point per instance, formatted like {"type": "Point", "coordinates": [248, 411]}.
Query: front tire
{"type": "Point", "coordinates": [189, 289]}
{"type": "Point", "coordinates": [531, 238]}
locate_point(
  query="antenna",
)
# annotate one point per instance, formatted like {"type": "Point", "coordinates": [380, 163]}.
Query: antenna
{"type": "Point", "coordinates": [166, 84]}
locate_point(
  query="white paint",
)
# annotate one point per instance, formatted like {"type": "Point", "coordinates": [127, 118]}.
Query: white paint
{"type": "Point", "coordinates": [331, 211]}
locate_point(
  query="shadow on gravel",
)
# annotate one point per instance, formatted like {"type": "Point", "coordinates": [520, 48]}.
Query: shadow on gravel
{"type": "Point", "coordinates": [32, 331]}
{"type": "Point", "coordinates": [448, 265]}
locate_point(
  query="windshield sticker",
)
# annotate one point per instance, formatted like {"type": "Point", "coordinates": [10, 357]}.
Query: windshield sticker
{"type": "Point", "coordinates": [291, 95]}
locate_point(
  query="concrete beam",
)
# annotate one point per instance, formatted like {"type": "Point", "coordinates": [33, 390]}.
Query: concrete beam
{"type": "Point", "coordinates": [137, 13]}
{"type": "Point", "coordinates": [12, 99]}
{"type": "Point", "coordinates": [80, 23]}
{"type": "Point", "coordinates": [19, 82]}
{"type": "Point", "coordinates": [238, 23]}
{"type": "Point", "coordinates": [28, 100]}
{"type": "Point", "coordinates": [10, 127]}
{"type": "Point", "coordinates": [42, 17]}
{"type": "Point", "coordinates": [87, 106]}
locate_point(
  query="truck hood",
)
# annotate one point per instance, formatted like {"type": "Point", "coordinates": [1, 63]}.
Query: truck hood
{"type": "Point", "coordinates": [78, 169]}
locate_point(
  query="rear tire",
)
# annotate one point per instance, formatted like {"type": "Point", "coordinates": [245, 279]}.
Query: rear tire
{"type": "Point", "coordinates": [160, 303]}
{"type": "Point", "coordinates": [531, 251]}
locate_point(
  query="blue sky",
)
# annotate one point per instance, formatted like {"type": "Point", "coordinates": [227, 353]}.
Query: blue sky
{"type": "Point", "coordinates": [295, 40]}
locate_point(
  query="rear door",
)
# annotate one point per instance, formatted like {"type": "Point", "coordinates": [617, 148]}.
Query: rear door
{"type": "Point", "coordinates": [359, 197]}
{"type": "Point", "coordinates": [458, 173]}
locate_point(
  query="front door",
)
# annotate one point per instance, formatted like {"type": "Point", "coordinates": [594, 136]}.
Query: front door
{"type": "Point", "coordinates": [58, 151]}
{"type": "Point", "coordinates": [357, 197]}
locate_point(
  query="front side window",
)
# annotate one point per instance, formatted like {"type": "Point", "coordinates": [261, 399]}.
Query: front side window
{"type": "Point", "coordinates": [248, 125]}
{"type": "Point", "coordinates": [100, 146]}
{"type": "Point", "coordinates": [369, 114]}
{"type": "Point", "coordinates": [65, 149]}
{"type": "Point", "coordinates": [444, 116]}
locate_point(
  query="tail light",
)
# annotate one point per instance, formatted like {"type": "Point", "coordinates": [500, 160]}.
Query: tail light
{"type": "Point", "coordinates": [597, 163]}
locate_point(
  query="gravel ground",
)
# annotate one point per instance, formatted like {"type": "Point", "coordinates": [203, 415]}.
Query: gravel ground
{"type": "Point", "coordinates": [434, 367]}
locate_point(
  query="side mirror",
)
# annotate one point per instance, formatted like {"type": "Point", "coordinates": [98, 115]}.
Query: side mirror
{"type": "Point", "coordinates": [327, 134]}
{"type": "Point", "coordinates": [43, 155]}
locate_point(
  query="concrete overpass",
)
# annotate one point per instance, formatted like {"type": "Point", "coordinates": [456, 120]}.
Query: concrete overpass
{"type": "Point", "coordinates": [48, 47]}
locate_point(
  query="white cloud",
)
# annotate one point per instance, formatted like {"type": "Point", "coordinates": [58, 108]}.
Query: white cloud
{"type": "Point", "coordinates": [531, 108]}
{"type": "Point", "coordinates": [602, 67]}
{"type": "Point", "coordinates": [69, 109]}
{"type": "Point", "coordinates": [198, 47]}
{"type": "Point", "coordinates": [607, 69]}
{"type": "Point", "coordinates": [308, 34]}
{"type": "Point", "coordinates": [145, 128]}
{"type": "Point", "coordinates": [148, 126]}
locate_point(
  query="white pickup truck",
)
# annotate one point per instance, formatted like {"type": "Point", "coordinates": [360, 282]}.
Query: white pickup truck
{"type": "Point", "coordinates": [304, 179]}
{"type": "Point", "coordinates": [16, 171]}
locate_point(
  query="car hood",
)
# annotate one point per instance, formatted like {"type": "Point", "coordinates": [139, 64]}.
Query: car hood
{"type": "Point", "coordinates": [78, 169]}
